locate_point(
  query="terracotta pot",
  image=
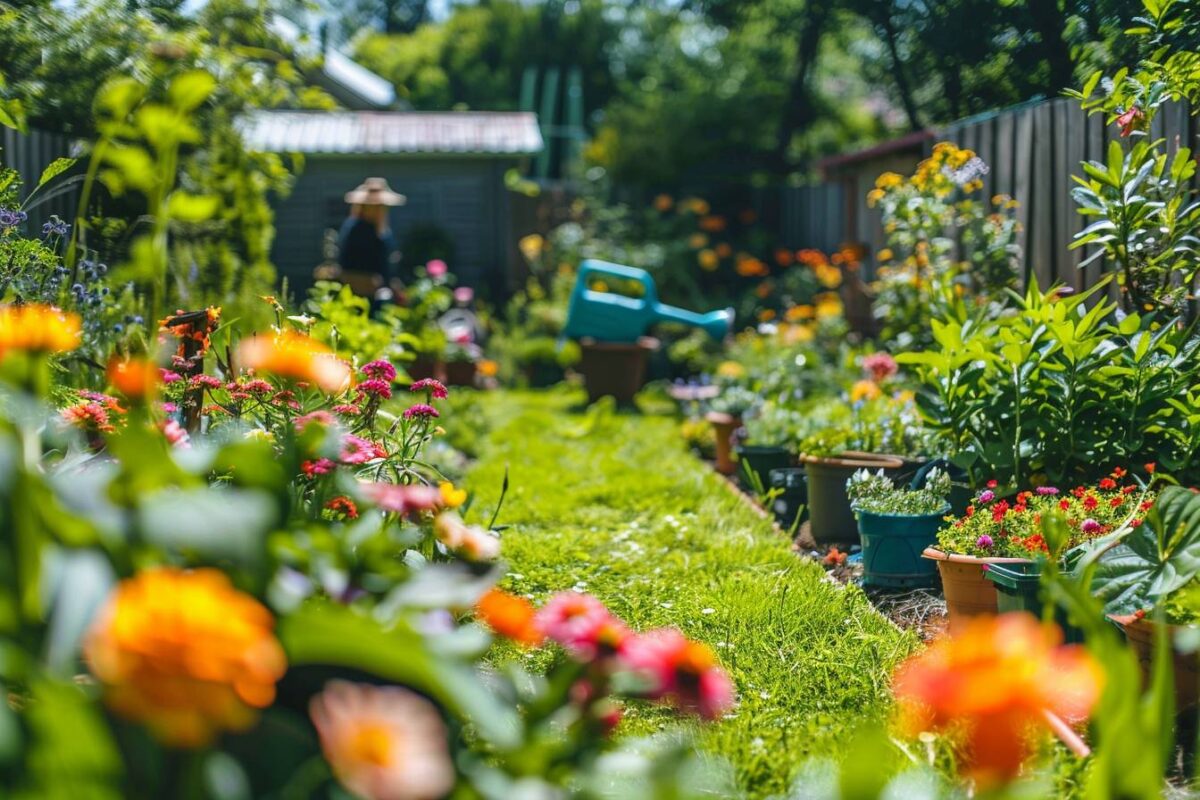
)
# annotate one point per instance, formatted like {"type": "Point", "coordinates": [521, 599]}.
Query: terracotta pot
{"type": "Point", "coordinates": [425, 367]}
{"type": "Point", "coordinates": [460, 373]}
{"type": "Point", "coordinates": [723, 427]}
{"type": "Point", "coordinates": [616, 369]}
{"type": "Point", "coordinates": [831, 521]}
{"type": "Point", "coordinates": [1140, 633]}
{"type": "Point", "coordinates": [968, 592]}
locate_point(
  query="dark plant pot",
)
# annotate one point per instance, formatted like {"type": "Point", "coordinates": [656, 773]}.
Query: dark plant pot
{"type": "Point", "coordinates": [460, 373]}
{"type": "Point", "coordinates": [892, 545]}
{"type": "Point", "coordinates": [792, 499]}
{"type": "Point", "coordinates": [541, 374]}
{"type": "Point", "coordinates": [723, 426]}
{"type": "Point", "coordinates": [615, 369]}
{"type": "Point", "coordinates": [758, 460]}
{"type": "Point", "coordinates": [425, 367]}
{"type": "Point", "coordinates": [968, 593]}
{"type": "Point", "coordinates": [831, 521]}
{"type": "Point", "coordinates": [1017, 589]}
{"type": "Point", "coordinates": [1140, 633]}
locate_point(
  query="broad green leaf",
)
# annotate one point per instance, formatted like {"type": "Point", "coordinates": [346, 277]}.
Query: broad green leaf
{"type": "Point", "coordinates": [191, 89]}
{"type": "Point", "coordinates": [216, 523]}
{"type": "Point", "coordinates": [186, 207]}
{"type": "Point", "coordinates": [57, 167]}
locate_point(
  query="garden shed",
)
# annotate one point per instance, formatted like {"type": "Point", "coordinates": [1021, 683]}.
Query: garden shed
{"type": "Point", "coordinates": [450, 165]}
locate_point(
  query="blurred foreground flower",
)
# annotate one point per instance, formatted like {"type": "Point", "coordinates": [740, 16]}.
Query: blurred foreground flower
{"type": "Point", "coordinates": [682, 670]}
{"type": "Point", "coordinates": [38, 329]}
{"type": "Point", "coordinates": [135, 378]}
{"type": "Point", "coordinates": [383, 742]}
{"type": "Point", "coordinates": [510, 616]}
{"type": "Point", "coordinates": [296, 357]}
{"type": "Point", "coordinates": [186, 654]}
{"type": "Point", "coordinates": [994, 684]}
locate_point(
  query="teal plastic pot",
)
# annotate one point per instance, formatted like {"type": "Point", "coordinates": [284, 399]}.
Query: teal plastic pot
{"type": "Point", "coordinates": [792, 498]}
{"type": "Point", "coordinates": [759, 460]}
{"type": "Point", "coordinates": [830, 518]}
{"type": "Point", "coordinates": [1017, 589]}
{"type": "Point", "coordinates": [892, 545]}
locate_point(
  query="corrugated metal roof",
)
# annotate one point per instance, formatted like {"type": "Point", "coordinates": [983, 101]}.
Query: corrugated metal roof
{"type": "Point", "coordinates": [393, 132]}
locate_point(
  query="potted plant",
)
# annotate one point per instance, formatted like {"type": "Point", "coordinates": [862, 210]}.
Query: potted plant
{"type": "Point", "coordinates": [725, 415]}
{"type": "Point", "coordinates": [767, 445]}
{"type": "Point", "coordinates": [1151, 579]}
{"type": "Point", "coordinates": [460, 363]}
{"type": "Point", "coordinates": [896, 524]}
{"type": "Point", "coordinates": [1007, 531]}
{"type": "Point", "coordinates": [616, 369]}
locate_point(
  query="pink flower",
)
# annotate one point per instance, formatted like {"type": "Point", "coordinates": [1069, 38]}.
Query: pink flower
{"type": "Point", "coordinates": [402, 499]}
{"type": "Point", "coordinates": [357, 450]}
{"type": "Point", "coordinates": [581, 624]}
{"type": "Point", "coordinates": [880, 366]}
{"type": "Point", "coordinates": [318, 417]}
{"type": "Point", "coordinates": [375, 387]}
{"type": "Point", "coordinates": [1047, 490]}
{"type": "Point", "coordinates": [176, 434]}
{"type": "Point", "coordinates": [170, 377]}
{"type": "Point", "coordinates": [987, 496]}
{"type": "Point", "coordinates": [421, 410]}
{"type": "Point", "coordinates": [322, 466]}
{"type": "Point", "coordinates": [380, 370]}
{"type": "Point", "coordinates": [984, 542]}
{"type": "Point", "coordinates": [1129, 120]}
{"type": "Point", "coordinates": [464, 295]}
{"type": "Point", "coordinates": [435, 388]}
{"type": "Point", "coordinates": [258, 386]}
{"type": "Point", "coordinates": [680, 670]}
{"type": "Point", "coordinates": [347, 410]}
{"type": "Point", "coordinates": [1090, 526]}
{"type": "Point", "coordinates": [436, 268]}
{"type": "Point", "coordinates": [383, 742]}
{"type": "Point", "coordinates": [205, 381]}
{"type": "Point", "coordinates": [169, 408]}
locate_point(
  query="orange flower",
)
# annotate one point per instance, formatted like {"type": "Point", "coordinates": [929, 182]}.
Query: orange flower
{"type": "Point", "coordinates": [994, 682]}
{"type": "Point", "coordinates": [38, 329]}
{"type": "Point", "coordinates": [708, 260]}
{"type": "Point", "coordinates": [864, 390]}
{"type": "Point", "coordinates": [383, 742]}
{"type": "Point", "coordinates": [487, 368]}
{"type": "Point", "coordinates": [766, 315]}
{"type": "Point", "coordinates": [297, 357]}
{"type": "Point", "coordinates": [724, 250]}
{"type": "Point", "coordinates": [451, 497]}
{"type": "Point", "coordinates": [784, 257]}
{"type": "Point", "coordinates": [510, 616]}
{"type": "Point", "coordinates": [186, 654]}
{"type": "Point", "coordinates": [663, 203]}
{"type": "Point", "coordinates": [750, 267]}
{"type": "Point", "coordinates": [135, 377]}
{"type": "Point", "coordinates": [797, 313]}
{"type": "Point", "coordinates": [713, 223]}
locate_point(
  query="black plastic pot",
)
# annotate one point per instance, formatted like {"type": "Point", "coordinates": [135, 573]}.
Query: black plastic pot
{"type": "Point", "coordinates": [792, 500]}
{"type": "Point", "coordinates": [758, 460]}
{"type": "Point", "coordinates": [831, 520]}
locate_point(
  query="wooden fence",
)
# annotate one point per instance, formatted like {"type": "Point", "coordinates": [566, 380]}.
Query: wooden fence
{"type": "Point", "coordinates": [1031, 151]}
{"type": "Point", "coordinates": [29, 154]}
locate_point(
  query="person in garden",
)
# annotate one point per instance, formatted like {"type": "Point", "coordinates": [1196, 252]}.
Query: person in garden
{"type": "Point", "coordinates": [366, 246]}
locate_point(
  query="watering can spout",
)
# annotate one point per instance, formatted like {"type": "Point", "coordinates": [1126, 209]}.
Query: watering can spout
{"type": "Point", "coordinates": [599, 313]}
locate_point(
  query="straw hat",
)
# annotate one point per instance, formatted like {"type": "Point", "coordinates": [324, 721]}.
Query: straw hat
{"type": "Point", "coordinates": [375, 192]}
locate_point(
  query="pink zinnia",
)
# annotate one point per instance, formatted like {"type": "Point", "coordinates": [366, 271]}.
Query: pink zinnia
{"type": "Point", "coordinates": [379, 369]}
{"type": "Point", "coordinates": [1090, 526]}
{"type": "Point", "coordinates": [318, 417]}
{"type": "Point", "coordinates": [984, 542]}
{"type": "Point", "coordinates": [357, 450]}
{"type": "Point", "coordinates": [206, 381]}
{"type": "Point", "coordinates": [581, 624]}
{"type": "Point", "coordinates": [347, 410]}
{"type": "Point", "coordinates": [987, 496]}
{"type": "Point", "coordinates": [176, 434]}
{"type": "Point", "coordinates": [375, 387]}
{"type": "Point", "coordinates": [682, 670]}
{"type": "Point", "coordinates": [170, 377]}
{"type": "Point", "coordinates": [436, 389]}
{"type": "Point", "coordinates": [258, 386]}
{"type": "Point", "coordinates": [880, 366]}
{"type": "Point", "coordinates": [1047, 490]}
{"type": "Point", "coordinates": [402, 499]}
{"type": "Point", "coordinates": [420, 410]}
{"type": "Point", "coordinates": [322, 466]}
{"type": "Point", "coordinates": [436, 268]}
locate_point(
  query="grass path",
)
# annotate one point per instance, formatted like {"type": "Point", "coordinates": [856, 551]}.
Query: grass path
{"type": "Point", "coordinates": [613, 504]}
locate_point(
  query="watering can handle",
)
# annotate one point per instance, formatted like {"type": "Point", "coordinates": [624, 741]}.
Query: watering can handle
{"type": "Point", "coordinates": [594, 267]}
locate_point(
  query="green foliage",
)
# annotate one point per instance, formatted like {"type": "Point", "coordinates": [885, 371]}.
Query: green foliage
{"type": "Point", "coordinates": [878, 494]}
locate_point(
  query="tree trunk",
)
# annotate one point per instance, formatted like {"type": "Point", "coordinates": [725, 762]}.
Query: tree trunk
{"type": "Point", "coordinates": [1050, 22]}
{"type": "Point", "coordinates": [899, 73]}
{"type": "Point", "coordinates": [800, 112]}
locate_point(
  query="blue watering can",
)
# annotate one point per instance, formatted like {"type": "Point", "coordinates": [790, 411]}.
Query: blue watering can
{"type": "Point", "coordinates": [609, 317]}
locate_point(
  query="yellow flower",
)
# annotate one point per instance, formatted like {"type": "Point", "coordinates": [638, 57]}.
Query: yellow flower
{"type": "Point", "coordinates": [829, 276]}
{"type": "Point", "coordinates": [864, 390]}
{"type": "Point", "coordinates": [697, 206]}
{"type": "Point", "coordinates": [531, 246]}
{"type": "Point", "coordinates": [828, 305]}
{"type": "Point", "coordinates": [884, 255]}
{"type": "Point", "coordinates": [383, 742]}
{"type": "Point", "coordinates": [451, 497]}
{"type": "Point", "coordinates": [37, 328]}
{"type": "Point", "coordinates": [186, 654]}
{"type": "Point", "coordinates": [889, 180]}
{"type": "Point", "coordinates": [487, 368]}
{"type": "Point", "coordinates": [798, 334]}
{"type": "Point", "coordinates": [296, 357]}
{"type": "Point", "coordinates": [709, 261]}
{"type": "Point", "coordinates": [730, 369]}
{"type": "Point", "coordinates": [697, 240]}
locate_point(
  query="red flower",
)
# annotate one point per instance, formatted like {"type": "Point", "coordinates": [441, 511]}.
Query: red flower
{"type": "Point", "coordinates": [1090, 502]}
{"type": "Point", "coordinates": [343, 505]}
{"type": "Point", "coordinates": [1064, 504]}
{"type": "Point", "coordinates": [1129, 120]}
{"type": "Point", "coordinates": [1150, 468]}
{"type": "Point", "coordinates": [992, 484]}
{"type": "Point", "coordinates": [1108, 483]}
{"type": "Point", "coordinates": [1118, 473]}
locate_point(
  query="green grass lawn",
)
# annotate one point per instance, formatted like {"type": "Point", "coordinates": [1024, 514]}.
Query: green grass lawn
{"type": "Point", "coordinates": [613, 504]}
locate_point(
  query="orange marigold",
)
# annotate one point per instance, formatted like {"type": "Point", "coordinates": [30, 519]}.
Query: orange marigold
{"type": "Point", "coordinates": [510, 616]}
{"type": "Point", "coordinates": [993, 683]}
{"type": "Point", "coordinates": [185, 653]}
{"type": "Point", "coordinates": [38, 329]}
{"type": "Point", "coordinates": [135, 377]}
{"type": "Point", "coordinates": [295, 356]}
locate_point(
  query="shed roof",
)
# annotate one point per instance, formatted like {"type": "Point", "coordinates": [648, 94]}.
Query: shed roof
{"type": "Point", "coordinates": [393, 132]}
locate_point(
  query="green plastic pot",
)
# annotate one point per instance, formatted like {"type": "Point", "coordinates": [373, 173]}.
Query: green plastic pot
{"type": "Point", "coordinates": [792, 498]}
{"type": "Point", "coordinates": [892, 545]}
{"type": "Point", "coordinates": [1017, 589]}
{"type": "Point", "coordinates": [830, 518]}
{"type": "Point", "coordinates": [758, 460]}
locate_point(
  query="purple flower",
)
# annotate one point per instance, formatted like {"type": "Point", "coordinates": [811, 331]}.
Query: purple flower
{"type": "Point", "coordinates": [421, 410]}
{"type": "Point", "coordinates": [169, 377]}
{"type": "Point", "coordinates": [380, 370]}
{"type": "Point", "coordinates": [55, 227]}
{"type": "Point", "coordinates": [11, 217]}
{"type": "Point", "coordinates": [1047, 490]}
{"type": "Point", "coordinates": [1089, 526]}
{"type": "Point", "coordinates": [376, 387]}
{"type": "Point", "coordinates": [435, 388]}
{"type": "Point", "coordinates": [984, 542]}
{"type": "Point", "coordinates": [987, 496]}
